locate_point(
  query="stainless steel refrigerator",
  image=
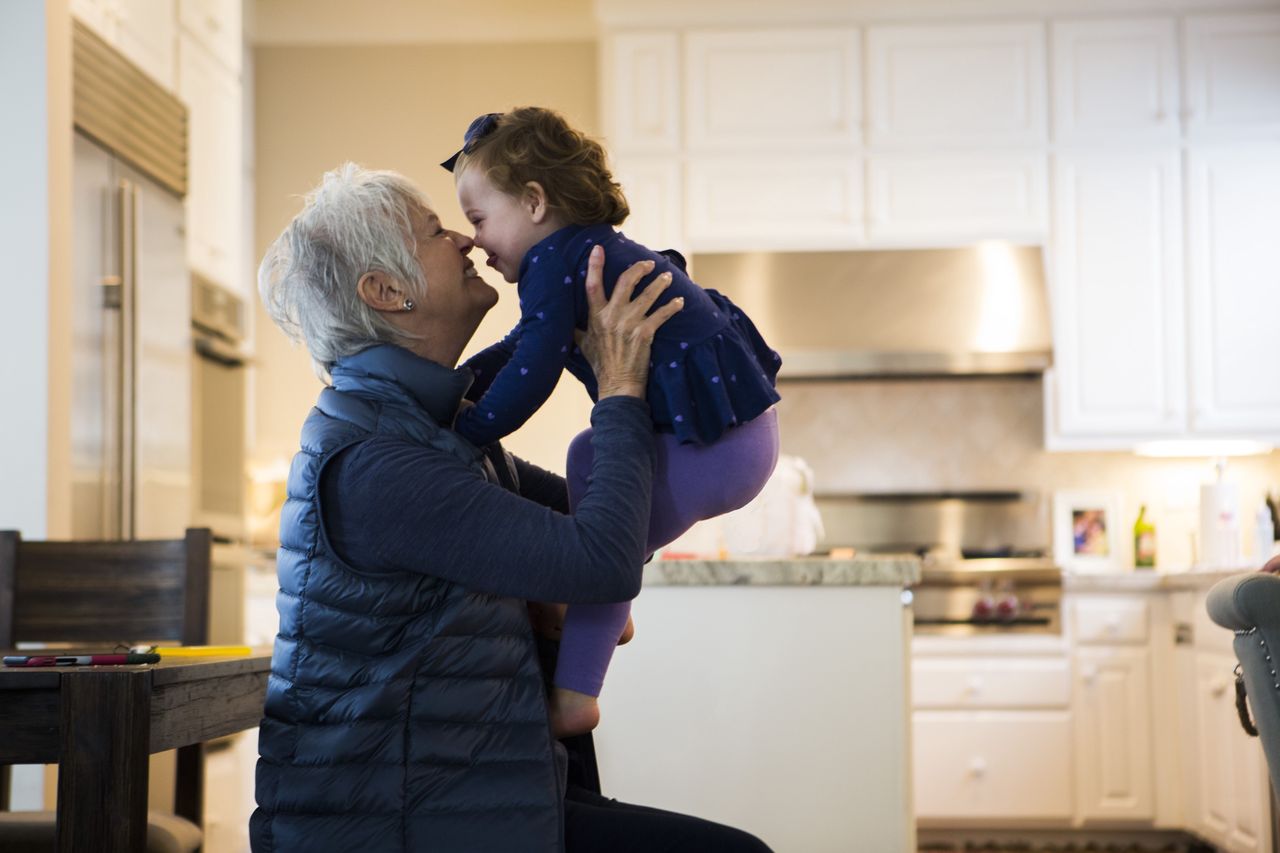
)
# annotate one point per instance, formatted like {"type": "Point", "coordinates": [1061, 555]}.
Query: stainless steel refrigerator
{"type": "Point", "coordinates": [131, 306]}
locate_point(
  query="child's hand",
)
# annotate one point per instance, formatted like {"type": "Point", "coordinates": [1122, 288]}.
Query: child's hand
{"type": "Point", "coordinates": [620, 331]}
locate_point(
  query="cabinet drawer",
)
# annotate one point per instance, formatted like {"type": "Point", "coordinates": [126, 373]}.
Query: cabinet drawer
{"type": "Point", "coordinates": [1109, 620]}
{"type": "Point", "coordinates": [992, 764]}
{"type": "Point", "coordinates": [991, 683]}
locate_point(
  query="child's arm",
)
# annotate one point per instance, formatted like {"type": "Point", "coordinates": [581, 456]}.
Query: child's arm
{"type": "Point", "coordinates": [486, 364]}
{"type": "Point", "coordinates": [530, 375]}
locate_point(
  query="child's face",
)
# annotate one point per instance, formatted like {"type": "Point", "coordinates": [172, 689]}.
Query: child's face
{"type": "Point", "coordinates": [506, 226]}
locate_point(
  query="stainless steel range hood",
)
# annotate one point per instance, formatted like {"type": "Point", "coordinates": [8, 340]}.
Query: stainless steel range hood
{"type": "Point", "coordinates": [976, 310]}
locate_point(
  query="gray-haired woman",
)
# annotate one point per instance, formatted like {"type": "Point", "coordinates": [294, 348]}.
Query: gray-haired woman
{"type": "Point", "coordinates": [406, 708]}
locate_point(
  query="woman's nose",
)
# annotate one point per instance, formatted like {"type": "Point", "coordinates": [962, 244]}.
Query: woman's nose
{"type": "Point", "coordinates": [462, 241]}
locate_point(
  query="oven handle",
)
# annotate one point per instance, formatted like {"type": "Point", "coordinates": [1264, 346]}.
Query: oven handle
{"type": "Point", "coordinates": [211, 350]}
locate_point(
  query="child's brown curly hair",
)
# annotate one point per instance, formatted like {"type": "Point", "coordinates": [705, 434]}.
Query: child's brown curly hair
{"type": "Point", "coordinates": [537, 144]}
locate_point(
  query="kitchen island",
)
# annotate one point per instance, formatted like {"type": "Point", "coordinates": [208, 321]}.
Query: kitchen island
{"type": "Point", "coordinates": [769, 694]}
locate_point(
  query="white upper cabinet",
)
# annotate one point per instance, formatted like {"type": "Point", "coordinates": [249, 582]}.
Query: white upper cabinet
{"type": "Point", "coordinates": [1115, 79]}
{"type": "Point", "coordinates": [1233, 204]}
{"type": "Point", "coordinates": [1117, 294]}
{"type": "Point", "coordinates": [961, 197]}
{"type": "Point", "coordinates": [216, 24]}
{"type": "Point", "coordinates": [773, 88]}
{"type": "Point", "coordinates": [738, 202]}
{"type": "Point", "coordinates": [956, 85]}
{"type": "Point", "coordinates": [212, 95]}
{"type": "Point", "coordinates": [652, 188]}
{"type": "Point", "coordinates": [1233, 75]}
{"type": "Point", "coordinates": [142, 30]}
{"type": "Point", "coordinates": [642, 106]}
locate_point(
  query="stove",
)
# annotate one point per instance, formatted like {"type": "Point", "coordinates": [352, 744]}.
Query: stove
{"type": "Point", "coordinates": [985, 559]}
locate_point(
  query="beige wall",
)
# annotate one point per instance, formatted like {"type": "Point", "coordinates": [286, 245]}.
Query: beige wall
{"type": "Point", "coordinates": [401, 108]}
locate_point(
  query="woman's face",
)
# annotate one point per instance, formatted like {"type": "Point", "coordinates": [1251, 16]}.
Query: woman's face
{"type": "Point", "coordinates": [455, 290]}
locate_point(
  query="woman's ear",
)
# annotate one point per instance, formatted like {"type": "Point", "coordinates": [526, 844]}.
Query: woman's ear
{"type": "Point", "coordinates": [535, 202]}
{"type": "Point", "coordinates": [380, 291]}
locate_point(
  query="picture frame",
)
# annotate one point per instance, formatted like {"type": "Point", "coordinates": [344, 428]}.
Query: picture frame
{"type": "Point", "coordinates": [1089, 531]}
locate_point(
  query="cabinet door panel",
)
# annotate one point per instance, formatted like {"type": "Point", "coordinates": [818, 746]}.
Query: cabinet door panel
{"type": "Point", "coordinates": [642, 109]}
{"type": "Point", "coordinates": [1214, 717]}
{"type": "Point", "coordinates": [216, 24]}
{"type": "Point", "coordinates": [1116, 280]}
{"type": "Point", "coordinates": [1234, 278]}
{"type": "Point", "coordinates": [212, 95]}
{"type": "Point", "coordinates": [1113, 734]}
{"type": "Point", "coordinates": [654, 195]}
{"type": "Point", "coordinates": [802, 203]}
{"type": "Point", "coordinates": [1115, 78]}
{"type": "Point", "coordinates": [1031, 682]}
{"type": "Point", "coordinates": [992, 764]}
{"type": "Point", "coordinates": [956, 84]}
{"type": "Point", "coordinates": [938, 198]}
{"type": "Point", "coordinates": [782, 87]}
{"type": "Point", "coordinates": [1233, 74]}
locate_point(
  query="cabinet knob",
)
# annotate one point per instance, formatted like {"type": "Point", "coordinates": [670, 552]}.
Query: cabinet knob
{"type": "Point", "coordinates": [977, 767]}
{"type": "Point", "coordinates": [1218, 688]}
{"type": "Point", "coordinates": [1089, 674]}
{"type": "Point", "coordinates": [973, 686]}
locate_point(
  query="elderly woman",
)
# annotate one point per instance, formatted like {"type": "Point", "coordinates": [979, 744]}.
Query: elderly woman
{"type": "Point", "coordinates": [406, 709]}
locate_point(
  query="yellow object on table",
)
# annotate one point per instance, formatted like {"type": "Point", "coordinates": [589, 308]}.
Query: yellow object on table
{"type": "Point", "coordinates": [201, 651]}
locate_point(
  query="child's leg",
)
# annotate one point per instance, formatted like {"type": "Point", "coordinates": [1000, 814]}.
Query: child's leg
{"type": "Point", "coordinates": [690, 484]}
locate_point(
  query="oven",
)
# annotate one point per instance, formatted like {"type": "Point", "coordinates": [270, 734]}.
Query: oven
{"type": "Point", "coordinates": [983, 597]}
{"type": "Point", "coordinates": [985, 564]}
{"type": "Point", "coordinates": [219, 403]}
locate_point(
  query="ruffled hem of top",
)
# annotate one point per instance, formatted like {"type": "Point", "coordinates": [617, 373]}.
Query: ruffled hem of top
{"type": "Point", "coordinates": [718, 383]}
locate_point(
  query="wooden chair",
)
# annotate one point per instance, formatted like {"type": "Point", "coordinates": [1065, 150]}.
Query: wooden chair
{"type": "Point", "coordinates": [100, 594]}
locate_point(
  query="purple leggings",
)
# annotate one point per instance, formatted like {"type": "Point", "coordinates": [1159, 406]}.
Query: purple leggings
{"type": "Point", "coordinates": [690, 483]}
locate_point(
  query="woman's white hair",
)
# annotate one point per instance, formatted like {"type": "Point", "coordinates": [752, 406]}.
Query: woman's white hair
{"type": "Point", "coordinates": [357, 221]}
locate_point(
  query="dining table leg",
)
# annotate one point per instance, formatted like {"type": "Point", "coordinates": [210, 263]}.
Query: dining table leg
{"type": "Point", "coordinates": [102, 771]}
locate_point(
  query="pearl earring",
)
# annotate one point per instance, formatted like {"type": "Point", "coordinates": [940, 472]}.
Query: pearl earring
{"type": "Point", "coordinates": [408, 305]}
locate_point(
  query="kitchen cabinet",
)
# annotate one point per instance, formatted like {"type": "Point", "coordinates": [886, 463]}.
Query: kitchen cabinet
{"type": "Point", "coordinates": [1232, 75]}
{"type": "Point", "coordinates": [791, 90]}
{"type": "Point", "coordinates": [705, 711]}
{"type": "Point", "coordinates": [143, 31]}
{"type": "Point", "coordinates": [641, 106]}
{"type": "Point", "coordinates": [1112, 710]}
{"type": "Point", "coordinates": [1117, 292]}
{"type": "Point", "coordinates": [966, 196]}
{"type": "Point", "coordinates": [1233, 205]}
{"type": "Point", "coordinates": [212, 95]}
{"type": "Point", "coordinates": [747, 203]}
{"type": "Point", "coordinates": [1234, 807]}
{"type": "Point", "coordinates": [956, 85]}
{"type": "Point", "coordinates": [1115, 79]}
{"type": "Point", "coordinates": [992, 738]}
{"type": "Point", "coordinates": [217, 25]}
{"type": "Point", "coordinates": [653, 190]}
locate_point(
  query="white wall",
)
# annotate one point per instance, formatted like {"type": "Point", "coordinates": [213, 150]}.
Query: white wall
{"type": "Point", "coordinates": [34, 237]}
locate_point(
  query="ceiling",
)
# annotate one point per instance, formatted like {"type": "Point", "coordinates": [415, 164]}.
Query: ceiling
{"type": "Point", "coordinates": [318, 22]}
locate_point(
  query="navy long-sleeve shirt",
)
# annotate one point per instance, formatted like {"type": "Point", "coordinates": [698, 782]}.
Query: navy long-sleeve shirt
{"type": "Point", "coordinates": [388, 502]}
{"type": "Point", "coordinates": [710, 371]}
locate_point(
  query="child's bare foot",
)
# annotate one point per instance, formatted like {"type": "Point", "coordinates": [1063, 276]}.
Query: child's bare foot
{"type": "Point", "coordinates": [573, 713]}
{"type": "Point", "coordinates": [630, 631]}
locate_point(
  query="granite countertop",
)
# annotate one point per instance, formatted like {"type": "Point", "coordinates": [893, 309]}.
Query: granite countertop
{"type": "Point", "coordinates": [1140, 580]}
{"type": "Point", "coordinates": [863, 570]}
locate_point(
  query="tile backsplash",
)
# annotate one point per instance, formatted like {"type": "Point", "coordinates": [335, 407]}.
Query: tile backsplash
{"type": "Point", "coordinates": [988, 434]}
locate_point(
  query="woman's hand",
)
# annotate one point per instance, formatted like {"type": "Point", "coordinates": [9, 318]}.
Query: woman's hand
{"type": "Point", "coordinates": [620, 331]}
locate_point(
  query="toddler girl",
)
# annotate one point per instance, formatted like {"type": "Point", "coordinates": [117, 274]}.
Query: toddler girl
{"type": "Point", "coordinates": [540, 198]}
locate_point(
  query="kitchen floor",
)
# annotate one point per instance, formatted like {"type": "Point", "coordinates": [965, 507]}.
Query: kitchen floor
{"type": "Point", "coordinates": [229, 771]}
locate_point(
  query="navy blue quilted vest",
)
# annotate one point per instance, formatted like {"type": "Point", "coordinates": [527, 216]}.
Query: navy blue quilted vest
{"type": "Point", "coordinates": [403, 713]}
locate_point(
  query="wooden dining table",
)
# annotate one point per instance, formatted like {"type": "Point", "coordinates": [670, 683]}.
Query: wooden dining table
{"type": "Point", "coordinates": [100, 724]}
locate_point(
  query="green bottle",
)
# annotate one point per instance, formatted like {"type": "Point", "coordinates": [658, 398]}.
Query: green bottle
{"type": "Point", "coordinates": [1144, 541]}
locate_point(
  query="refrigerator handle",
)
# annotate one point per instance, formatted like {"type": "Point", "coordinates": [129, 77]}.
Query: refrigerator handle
{"type": "Point", "coordinates": [126, 449]}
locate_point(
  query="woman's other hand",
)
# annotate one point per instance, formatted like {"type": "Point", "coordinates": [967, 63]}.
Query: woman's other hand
{"type": "Point", "coordinates": [621, 329]}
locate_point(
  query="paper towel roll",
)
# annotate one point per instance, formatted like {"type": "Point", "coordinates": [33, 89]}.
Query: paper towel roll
{"type": "Point", "coordinates": [1219, 524]}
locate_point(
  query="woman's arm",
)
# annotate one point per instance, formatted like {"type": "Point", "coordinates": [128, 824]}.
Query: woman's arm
{"type": "Point", "coordinates": [541, 486]}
